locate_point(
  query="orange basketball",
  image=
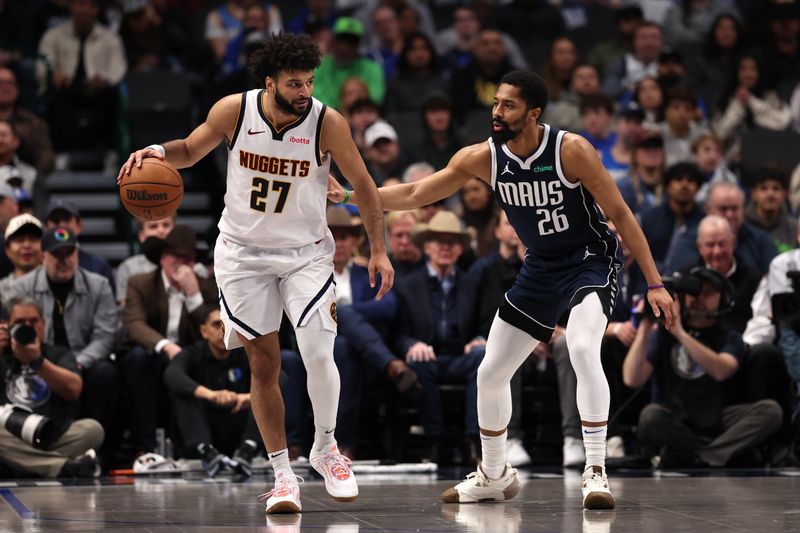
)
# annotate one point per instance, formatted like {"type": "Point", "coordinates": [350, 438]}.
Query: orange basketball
{"type": "Point", "coordinates": [153, 191]}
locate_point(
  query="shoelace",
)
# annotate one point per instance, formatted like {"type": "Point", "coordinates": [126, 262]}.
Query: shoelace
{"type": "Point", "coordinates": [479, 478]}
{"type": "Point", "coordinates": [339, 464]}
{"type": "Point", "coordinates": [281, 484]}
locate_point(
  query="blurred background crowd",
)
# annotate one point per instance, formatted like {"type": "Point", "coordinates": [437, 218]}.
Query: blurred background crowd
{"type": "Point", "coordinates": [693, 106]}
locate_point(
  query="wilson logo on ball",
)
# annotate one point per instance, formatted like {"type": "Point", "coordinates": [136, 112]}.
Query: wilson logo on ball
{"type": "Point", "coordinates": [144, 196]}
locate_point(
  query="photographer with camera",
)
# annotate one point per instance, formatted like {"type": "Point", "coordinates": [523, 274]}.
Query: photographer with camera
{"type": "Point", "coordinates": [39, 401]}
{"type": "Point", "coordinates": [688, 422]}
{"type": "Point", "coordinates": [82, 317]}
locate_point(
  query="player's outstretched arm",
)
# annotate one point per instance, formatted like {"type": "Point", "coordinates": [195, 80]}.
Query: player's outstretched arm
{"type": "Point", "coordinates": [469, 162]}
{"type": "Point", "coordinates": [220, 124]}
{"type": "Point", "coordinates": [337, 140]}
{"type": "Point", "coordinates": [580, 161]}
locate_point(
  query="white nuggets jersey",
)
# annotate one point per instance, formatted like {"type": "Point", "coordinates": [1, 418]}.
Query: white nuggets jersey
{"type": "Point", "coordinates": [277, 179]}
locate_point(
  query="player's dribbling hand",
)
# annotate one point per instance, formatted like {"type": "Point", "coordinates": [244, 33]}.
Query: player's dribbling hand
{"type": "Point", "coordinates": [335, 190]}
{"type": "Point", "coordinates": [135, 159]}
{"type": "Point", "coordinates": [380, 263]}
{"type": "Point", "coordinates": [420, 351]}
{"type": "Point", "coordinates": [661, 301]}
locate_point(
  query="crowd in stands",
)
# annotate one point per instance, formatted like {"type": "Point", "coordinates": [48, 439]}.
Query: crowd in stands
{"type": "Point", "coordinates": [683, 101]}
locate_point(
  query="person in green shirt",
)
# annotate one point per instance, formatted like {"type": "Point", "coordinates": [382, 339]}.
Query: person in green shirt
{"type": "Point", "coordinates": [344, 62]}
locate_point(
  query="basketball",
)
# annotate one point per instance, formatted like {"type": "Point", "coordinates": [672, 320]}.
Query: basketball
{"type": "Point", "coordinates": [152, 191]}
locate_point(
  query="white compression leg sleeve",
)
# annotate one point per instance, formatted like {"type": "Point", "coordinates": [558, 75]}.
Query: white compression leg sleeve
{"type": "Point", "coordinates": [316, 349]}
{"type": "Point", "coordinates": [506, 349]}
{"type": "Point", "coordinates": [585, 330]}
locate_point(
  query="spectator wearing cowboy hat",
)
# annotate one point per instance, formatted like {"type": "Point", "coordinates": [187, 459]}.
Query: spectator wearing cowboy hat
{"type": "Point", "coordinates": [437, 327]}
{"type": "Point", "coordinates": [81, 316]}
{"type": "Point", "coordinates": [160, 317]}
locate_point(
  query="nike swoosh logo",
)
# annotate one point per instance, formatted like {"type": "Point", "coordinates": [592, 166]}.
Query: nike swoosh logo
{"type": "Point", "coordinates": [251, 132]}
{"type": "Point", "coordinates": [331, 431]}
{"type": "Point", "coordinates": [274, 455]}
{"type": "Point", "coordinates": [595, 431]}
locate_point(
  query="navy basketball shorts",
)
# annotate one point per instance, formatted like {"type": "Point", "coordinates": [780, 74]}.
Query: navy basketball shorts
{"type": "Point", "coordinates": [544, 289]}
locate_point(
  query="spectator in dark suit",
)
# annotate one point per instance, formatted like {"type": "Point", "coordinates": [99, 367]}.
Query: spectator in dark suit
{"type": "Point", "coordinates": [438, 333]}
{"type": "Point", "coordinates": [361, 350]}
{"type": "Point", "coordinates": [753, 245]}
{"type": "Point", "coordinates": [161, 315]}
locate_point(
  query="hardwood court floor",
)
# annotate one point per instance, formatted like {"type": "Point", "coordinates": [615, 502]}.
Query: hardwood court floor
{"type": "Point", "coordinates": [760, 501]}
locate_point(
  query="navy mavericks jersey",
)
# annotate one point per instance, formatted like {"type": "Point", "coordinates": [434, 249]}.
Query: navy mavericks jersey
{"type": "Point", "coordinates": [553, 217]}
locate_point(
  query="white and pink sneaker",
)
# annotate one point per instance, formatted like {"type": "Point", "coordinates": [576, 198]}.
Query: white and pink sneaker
{"type": "Point", "coordinates": [284, 497]}
{"type": "Point", "coordinates": [340, 482]}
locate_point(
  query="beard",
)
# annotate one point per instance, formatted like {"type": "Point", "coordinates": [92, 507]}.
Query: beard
{"type": "Point", "coordinates": [285, 105]}
{"type": "Point", "coordinates": [504, 135]}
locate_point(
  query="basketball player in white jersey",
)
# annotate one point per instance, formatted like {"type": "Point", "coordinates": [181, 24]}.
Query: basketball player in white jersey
{"type": "Point", "coordinates": [275, 252]}
{"type": "Point", "coordinates": [550, 183]}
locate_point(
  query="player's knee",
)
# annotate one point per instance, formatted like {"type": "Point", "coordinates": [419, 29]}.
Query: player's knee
{"type": "Point", "coordinates": [490, 380]}
{"type": "Point", "coordinates": [264, 368]}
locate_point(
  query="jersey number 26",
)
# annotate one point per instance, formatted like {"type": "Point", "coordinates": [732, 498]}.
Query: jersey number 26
{"type": "Point", "coordinates": [558, 221]}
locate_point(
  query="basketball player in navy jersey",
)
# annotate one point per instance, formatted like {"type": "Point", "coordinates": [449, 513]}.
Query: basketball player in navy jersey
{"type": "Point", "coordinates": [275, 251]}
{"type": "Point", "coordinates": [552, 186]}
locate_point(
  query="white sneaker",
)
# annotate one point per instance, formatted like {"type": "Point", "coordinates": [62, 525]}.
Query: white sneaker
{"type": "Point", "coordinates": [340, 481]}
{"type": "Point", "coordinates": [479, 488]}
{"type": "Point", "coordinates": [615, 448]}
{"type": "Point", "coordinates": [285, 496]}
{"type": "Point", "coordinates": [516, 454]}
{"type": "Point", "coordinates": [574, 455]}
{"type": "Point", "coordinates": [596, 494]}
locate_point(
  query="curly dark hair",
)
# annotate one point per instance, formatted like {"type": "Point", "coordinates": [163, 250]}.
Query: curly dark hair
{"type": "Point", "coordinates": [284, 52]}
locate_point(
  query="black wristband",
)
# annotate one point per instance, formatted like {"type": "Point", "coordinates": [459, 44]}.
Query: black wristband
{"type": "Point", "coordinates": [36, 364]}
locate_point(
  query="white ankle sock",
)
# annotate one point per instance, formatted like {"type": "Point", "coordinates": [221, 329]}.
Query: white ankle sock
{"type": "Point", "coordinates": [280, 462]}
{"type": "Point", "coordinates": [493, 455]}
{"type": "Point", "coordinates": [594, 442]}
{"type": "Point", "coordinates": [323, 437]}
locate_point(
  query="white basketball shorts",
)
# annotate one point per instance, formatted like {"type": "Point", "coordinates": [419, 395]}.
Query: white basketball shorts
{"type": "Point", "coordinates": [257, 284]}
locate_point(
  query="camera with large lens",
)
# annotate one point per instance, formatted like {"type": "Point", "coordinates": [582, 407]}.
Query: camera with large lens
{"type": "Point", "coordinates": [35, 429]}
{"type": "Point", "coordinates": [23, 334]}
{"type": "Point", "coordinates": [692, 284]}
{"type": "Point", "coordinates": [786, 306]}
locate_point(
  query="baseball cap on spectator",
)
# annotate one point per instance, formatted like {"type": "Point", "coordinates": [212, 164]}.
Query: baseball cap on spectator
{"type": "Point", "coordinates": [379, 130]}
{"type": "Point", "coordinates": [631, 111]}
{"type": "Point", "coordinates": [60, 204]}
{"type": "Point", "coordinates": [348, 26]}
{"type": "Point", "coordinates": [58, 238]}
{"type": "Point", "coordinates": [23, 225]}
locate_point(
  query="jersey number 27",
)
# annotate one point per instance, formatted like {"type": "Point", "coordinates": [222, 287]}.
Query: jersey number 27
{"type": "Point", "coordinates": [261, 188]}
